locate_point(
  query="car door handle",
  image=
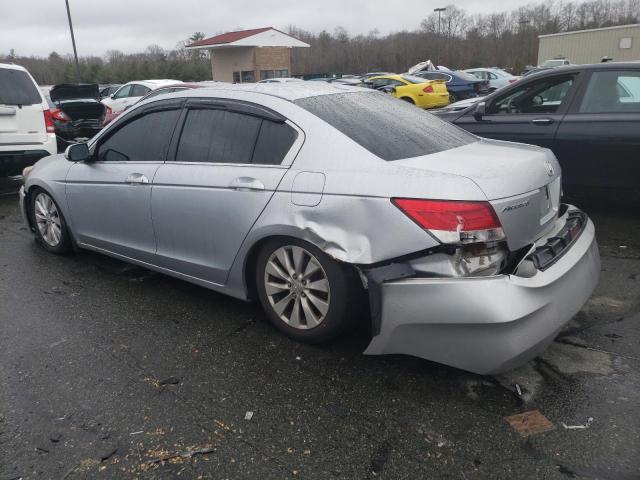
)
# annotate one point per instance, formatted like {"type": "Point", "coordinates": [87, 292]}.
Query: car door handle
{"type": "Point", "coordinates": [136, 178]}
{"type": "Point", "coordinates": [542, 121]}
{"type": "Point", "coordinates": [246, 184]}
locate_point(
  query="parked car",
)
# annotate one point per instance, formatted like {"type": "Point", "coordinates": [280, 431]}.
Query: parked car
{"type": "Point", "coordinates": [497, 78]}
{"type": "Point", "coordinates": [108, 90]}
{"type": "Point", "coordinates": [589, 115]}
{"type": "Point", "coordinates": [176, 87]}
{"type": "Point", "coordinates": [460, 85]}
{"type": "Point", "coordinates": [556, 62]}
{"type": "Point", "coordinates": [304, 196]}
{"type": "Point", "coordinates": [281, 80]}
{"type": "Point", "coordinates": [369, 75]}
{"type": "Point", "coordinates": [422, 93]}
{"type": "Point", "coordinates": [26, 126]}
{"type": "Point", "coordinates": [76, 111]}
{"type": "Point", "coordinates": [131, 92]}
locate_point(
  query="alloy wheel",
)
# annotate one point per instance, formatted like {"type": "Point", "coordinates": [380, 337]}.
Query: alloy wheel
{"type": "Point", "coordinates": [297, 287]}
{"type": "Point", "coordinates": [47, 219]}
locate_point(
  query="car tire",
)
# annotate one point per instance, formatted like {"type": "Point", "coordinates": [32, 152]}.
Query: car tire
{"type": "Point", "coordinates": [408, 100]}
{"type": "Point", "coordinates": [49, 223]}
{"type": "Point", "coordinates": [293, 274]}
{"type": "Point", "coordinates": [452, 98]}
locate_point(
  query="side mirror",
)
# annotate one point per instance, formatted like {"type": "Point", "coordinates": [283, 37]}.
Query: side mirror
{"type": "Point", "coordinates": [77, 152]}
{"type": "Point", "coordinates": [112, 96]}
{"type": "Point", "coordinates": [480, 111]}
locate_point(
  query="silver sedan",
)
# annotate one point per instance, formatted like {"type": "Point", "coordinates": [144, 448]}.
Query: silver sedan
{"type": "Point", "coordinates": [322, 201]}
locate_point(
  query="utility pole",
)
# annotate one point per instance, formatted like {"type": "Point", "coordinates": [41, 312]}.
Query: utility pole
{"type": "Point", "coordinates": [439, 10]}
{"type": "Point", "coordinates": [73, 41]}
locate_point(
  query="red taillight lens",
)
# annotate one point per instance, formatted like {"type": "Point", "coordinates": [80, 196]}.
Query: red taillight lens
{"type": "Point", "coordinates": [57, 114]}
{"type": "Point", "coordinates": [453, 221]}
{"type": "Point", "coordinates": [48, 121]}
{"type": "Point", "coordinates": [513, 80]}
{"type": "Point", "coordinates": [428, 89]}
{"type": "Point", "coordinates": [109, 110]}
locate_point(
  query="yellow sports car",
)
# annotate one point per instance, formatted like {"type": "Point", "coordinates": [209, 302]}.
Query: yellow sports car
{"type": "Point", "coordinates": [422, 93]}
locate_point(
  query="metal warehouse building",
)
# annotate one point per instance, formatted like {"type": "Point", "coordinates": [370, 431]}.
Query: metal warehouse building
{"type": "Point", "coordinates": [622, 43]}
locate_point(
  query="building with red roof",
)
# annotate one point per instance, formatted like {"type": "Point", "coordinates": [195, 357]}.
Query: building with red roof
{"type": "Point", "coordinates": [249, 55]}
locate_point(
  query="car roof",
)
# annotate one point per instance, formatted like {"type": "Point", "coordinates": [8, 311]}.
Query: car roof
{"type": "Point", "coordinates": [587, 66]}
{"type": "Point", "coordinates": [394, 76]}
{"type": "Point", "coordinates": [288, 91]}
{"type": "Point", "coordinates": [154, 83]}
{"type": "Point", "coordinates": [12, 66]}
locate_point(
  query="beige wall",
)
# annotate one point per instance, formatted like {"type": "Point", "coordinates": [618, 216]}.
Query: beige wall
{"type": "Point", "coordinates": [591, 46]}
{"type": "Point", "coordinates": [225, 61]}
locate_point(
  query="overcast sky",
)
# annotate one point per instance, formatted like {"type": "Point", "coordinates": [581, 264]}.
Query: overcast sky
{"type": "Point", "coordinates": [37, 27]}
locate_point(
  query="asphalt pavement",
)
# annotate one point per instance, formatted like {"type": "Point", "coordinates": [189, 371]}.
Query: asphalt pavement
{"type": "Point", "coordinates": [111, 371]}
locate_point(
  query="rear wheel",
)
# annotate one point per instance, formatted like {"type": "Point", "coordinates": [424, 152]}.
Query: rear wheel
{"type": "Point", "coordinates": [49, 223]}
{"type": "Point", "coordinates": [452, 98]}
{"type": "Point", "coordinates": [304, 293]}
{"type": "Point", "coordinates": [408, 100]}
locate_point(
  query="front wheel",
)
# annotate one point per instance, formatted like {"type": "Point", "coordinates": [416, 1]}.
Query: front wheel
{"type": "Point", "coordinates": [303, 291]}
{"type": "Point", "coordinates": [452, 98]}
{"type": "Point", "coordinates": [51, 228]}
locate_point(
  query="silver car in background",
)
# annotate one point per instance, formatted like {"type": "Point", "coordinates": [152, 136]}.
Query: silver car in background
{"type": "Point", "coordinates": [308, 195]}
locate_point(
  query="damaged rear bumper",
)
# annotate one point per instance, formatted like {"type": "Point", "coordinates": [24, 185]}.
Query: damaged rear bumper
{"type": "Point", "coordinates": [491, 324]}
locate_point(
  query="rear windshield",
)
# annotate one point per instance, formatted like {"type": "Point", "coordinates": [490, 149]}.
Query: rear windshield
{"type": "Point", "coordinates": [414, 79]}
{"type": "Point", "coordinates": [389, 128]}
{"type": "Point", "coordinates": [17, 88]}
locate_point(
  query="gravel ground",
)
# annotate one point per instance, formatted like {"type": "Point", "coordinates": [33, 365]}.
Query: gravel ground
{"type": "Point", "coordinates": [112, 371]}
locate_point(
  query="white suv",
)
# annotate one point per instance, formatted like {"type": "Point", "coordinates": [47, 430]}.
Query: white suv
{"type": "Point", "coordinates": [131, 92]}
{"type": "Point", "coordinates": [26, 125]}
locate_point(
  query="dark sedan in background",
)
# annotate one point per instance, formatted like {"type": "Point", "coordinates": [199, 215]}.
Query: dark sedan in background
{"type": "Point", "coordinates": [589, 115]}
{"type": "Point", "coordinates": [76, 111]}
{"type": "Point", "coordinates": [460, 85]}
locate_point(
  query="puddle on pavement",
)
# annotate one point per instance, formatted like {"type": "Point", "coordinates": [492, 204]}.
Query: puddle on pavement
{"type": "Point", "coordinates": [571, 359]}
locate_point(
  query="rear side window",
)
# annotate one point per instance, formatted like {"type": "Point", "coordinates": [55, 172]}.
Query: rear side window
{"type": "Point", "coordinates": [17, 88]}
{"type": "Point", "coordinates": [139, 90]}
{"type": "Point", "coordinates": [274, 141]}
{"type": "Point", "coordinates": [389, 128]}
{"type": "Point", "coordinates": [612, 92]}
{"type": "Point", "coordinates": [220, 136]}
{"type": "Point", "coordinates": [143, 139]}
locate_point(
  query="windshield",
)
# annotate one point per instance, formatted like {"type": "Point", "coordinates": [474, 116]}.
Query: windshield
{"type": "Point", "coordinates": [387, 127]}
{"type": "Point", "coordinates": [466, 76]}
{"type": "Point", "coordinates": [17, 88]}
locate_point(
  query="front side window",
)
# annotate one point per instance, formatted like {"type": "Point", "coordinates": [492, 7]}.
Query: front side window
{"type": "Point", "coordinates": [612, 92]}
{"type": "Point", "coordinates": [17, 88]}
{"type": "Point", "coordinates": [389, 128]}
{"type": "Point", "coordinates": [236, 77]}
{"type": "Point", "coordinates": [248, 76]}
{"type": "Point", "coordinates": [543, 96]}
{"type": "Point", "coordinates": [123, 92]}
{"type": "Point", "coordinates": [144, 139]}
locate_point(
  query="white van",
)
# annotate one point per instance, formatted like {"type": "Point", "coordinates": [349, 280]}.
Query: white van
{"type": "Point", "coordinates": [26, 125]}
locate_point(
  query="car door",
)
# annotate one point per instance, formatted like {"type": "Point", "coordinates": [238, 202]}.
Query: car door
{"type": "Point", "coordinates": [109, 196]}
{"type": "Point", "coordinates": [529, 113]}
{"type": "Point", "coordinates": [598, 141]}
{"type": "Point", "coordinates": [221, 173]}
{"type": "Point", "coordinates": [118, 101]}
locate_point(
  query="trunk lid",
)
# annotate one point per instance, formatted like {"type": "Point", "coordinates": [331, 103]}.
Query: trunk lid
{"type": "Point", "coordinates": [73, 91]}
{"type": "Point", "coordinates": [439, 86]}
{"type": "Point", "coordinates": [522, 182]}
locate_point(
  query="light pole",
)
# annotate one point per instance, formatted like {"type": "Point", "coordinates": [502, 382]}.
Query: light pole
{"type": "Point", "coordinates": [521, 29]}
{"type": "Point", "coordinates": [439, 10]}
{"type": "Point", "coordinates": [73, 41]}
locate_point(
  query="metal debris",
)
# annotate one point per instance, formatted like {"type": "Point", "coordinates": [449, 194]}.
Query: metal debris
{"type": "Point", "coordinates": [248, 415]}
{"type": "Point", "coordinates": [578, 427]}
{"type": "Point", "coordinates": [518, 390]}
{"type": "Point", "coordinates": [137, 433]}
{"type": "Point", "coordinates": [530, 423]}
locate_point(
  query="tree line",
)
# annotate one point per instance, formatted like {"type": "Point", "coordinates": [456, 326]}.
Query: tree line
{"type": "Point", "coordinates": [456, 39]}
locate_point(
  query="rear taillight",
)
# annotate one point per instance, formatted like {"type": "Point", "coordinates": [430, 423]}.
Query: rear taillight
{"type": "Point", "coordinates": [513, 80]}
{"type": "Point", "coordinates": [48, 121]}
{"type": "Point", "coordinates": [452, 221]}
{"type": "Point", "coordinates": [428, 89]}
{"type": "Point", "coordinates": [109, 110]}
{"type": "Point", "coordinates": [57, 114]}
